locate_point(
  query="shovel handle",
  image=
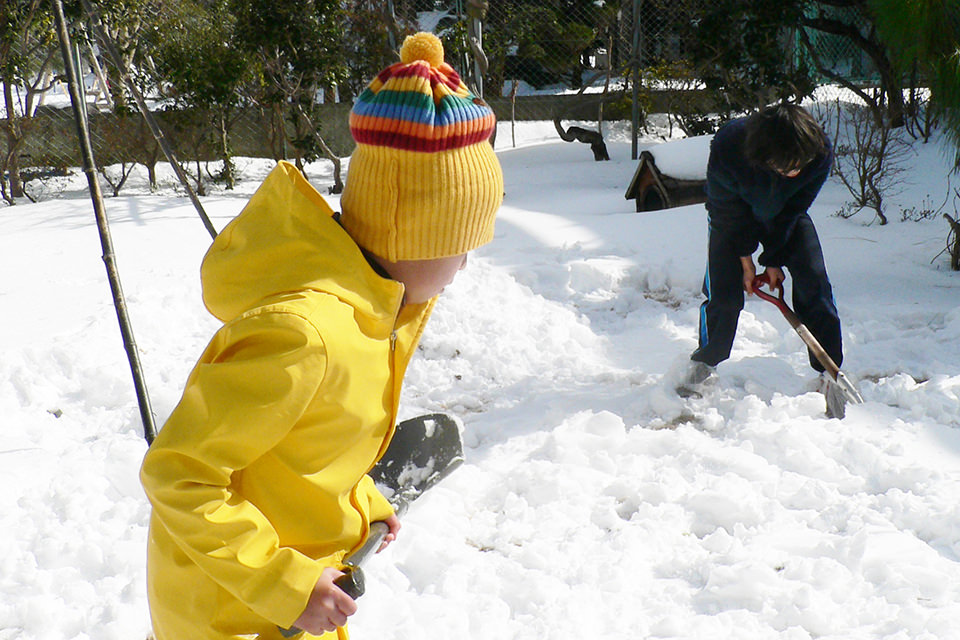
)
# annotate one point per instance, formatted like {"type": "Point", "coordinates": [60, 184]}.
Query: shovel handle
{"type": "Point", "coordinates": [812, 343]}
{"type": "Point", "coordinates": [762, 279]}
{"type": "Point", "coordinates": [378, 531]}
{"type": "Point", "coordinates": [352, 582]}
{"type": "Point", "coordinates": [777, 301]}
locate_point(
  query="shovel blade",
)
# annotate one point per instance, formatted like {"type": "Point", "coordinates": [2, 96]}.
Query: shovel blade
{"type": "Point", "coordinates": [849, 389]}
{"type": "Point", "coordinates": [423, 451]}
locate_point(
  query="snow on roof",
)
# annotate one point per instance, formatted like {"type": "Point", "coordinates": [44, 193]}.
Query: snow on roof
{"type": "Point", "coordinates": [684, 159]}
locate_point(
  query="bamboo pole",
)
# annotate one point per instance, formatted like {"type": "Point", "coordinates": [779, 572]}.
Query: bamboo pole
{"type": "Point", "coordinates": [103, 225]}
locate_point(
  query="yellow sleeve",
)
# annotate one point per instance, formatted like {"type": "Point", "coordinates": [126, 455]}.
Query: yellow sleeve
{"type": "Point", "coordinates": [250, 387]}
{"type": "Point", "coordinates": [380, 509]}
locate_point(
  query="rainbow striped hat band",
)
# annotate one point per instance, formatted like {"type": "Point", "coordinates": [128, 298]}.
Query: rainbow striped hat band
{"type": "Point", "coordinates": [423, 181]}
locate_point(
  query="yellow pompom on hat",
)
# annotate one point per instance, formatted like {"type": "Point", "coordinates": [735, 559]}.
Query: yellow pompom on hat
{"type": "Point", "coordinates": [423, 181]}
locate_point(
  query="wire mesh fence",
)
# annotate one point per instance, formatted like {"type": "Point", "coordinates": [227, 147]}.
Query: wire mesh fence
{"type": "Point", "coordinates": [221, 84]}
{"type": "Point", "coordinates": [839, 54]}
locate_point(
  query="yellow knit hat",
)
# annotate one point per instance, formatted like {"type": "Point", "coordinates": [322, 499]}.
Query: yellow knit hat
{"type": "Point", "coordinates": [423, 181]}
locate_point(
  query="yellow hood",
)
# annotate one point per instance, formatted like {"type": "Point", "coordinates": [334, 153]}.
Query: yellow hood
{"type": "Point", "coordinates": [286, 239]}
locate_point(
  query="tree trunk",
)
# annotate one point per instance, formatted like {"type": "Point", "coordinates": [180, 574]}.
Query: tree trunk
{"type": "Point", "coordinates": [228, 177]}
{"type": "Point", "coordinates": [954, 248]}
{"type": "Point", "coordinates": [117, 94]}
{"type": "Point", "coordinates": [14, 142]}
{"type": "Point", "coordinates": [579, 134]}
{"type": "Point", "coordinates": [331, 156]}
{"type": "Point", "coordinates": [874, 49]}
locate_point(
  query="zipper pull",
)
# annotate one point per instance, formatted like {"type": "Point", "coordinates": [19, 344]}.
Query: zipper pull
{"type": "Point", "coordinates": [393, 340]}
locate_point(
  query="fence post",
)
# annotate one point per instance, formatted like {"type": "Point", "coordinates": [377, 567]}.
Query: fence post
{"type": "Point", "coordinates": [103, 225]}
{"type": "Point", "coordinates": [635, 115]}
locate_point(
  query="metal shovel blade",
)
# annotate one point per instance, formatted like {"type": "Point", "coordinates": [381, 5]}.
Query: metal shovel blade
{"type": "Point", "coordinates": [849, 389]}
{"type": "Point", "coordinates": [424, 451]}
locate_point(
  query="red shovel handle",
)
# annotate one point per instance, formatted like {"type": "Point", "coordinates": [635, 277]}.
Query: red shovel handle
{"type": "Point", "coordinates": [818, 351]}
{"type": "Point", "coordinates": [762, 279]}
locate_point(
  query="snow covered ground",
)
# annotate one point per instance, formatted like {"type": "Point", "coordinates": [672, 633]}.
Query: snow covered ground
{"type": "Point", "coordinates": [594, 502]}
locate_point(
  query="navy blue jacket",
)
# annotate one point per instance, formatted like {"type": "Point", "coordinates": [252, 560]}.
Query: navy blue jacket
{"type": "Point", "coordinates": [751, 205]}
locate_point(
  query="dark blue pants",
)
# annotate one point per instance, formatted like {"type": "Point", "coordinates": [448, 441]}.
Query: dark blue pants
{"type": "Point", "coordinates": [811, 293]}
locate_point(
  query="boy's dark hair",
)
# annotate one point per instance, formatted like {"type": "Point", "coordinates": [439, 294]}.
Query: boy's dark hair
{"type": "Point", "coordinates": [783, 137]}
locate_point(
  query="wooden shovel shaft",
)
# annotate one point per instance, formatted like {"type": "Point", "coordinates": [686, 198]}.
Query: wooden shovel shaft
{"type": "Point", "coordinates": [817, 350]}
{"type": "Point", "coordinates": [812, 343]}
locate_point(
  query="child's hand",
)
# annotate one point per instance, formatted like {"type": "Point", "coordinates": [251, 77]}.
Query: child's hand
{"type": "Point", "coordinates": [393, 522]}
{"type": "Point", "coordinates": [328, 606]}
{"type": "Point", "coordinates": [749, 273]}
{"type": "Point", "coordinates": [775, 276]}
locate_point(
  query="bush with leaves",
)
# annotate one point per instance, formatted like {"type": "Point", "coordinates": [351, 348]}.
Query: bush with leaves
{"type": "Point", "coordinates": [924, 35]}
{"type": "Point", "coordinates": [367, 34]}
{"type": "Point", "coordinates": [741, 51]}
{"type": "Point", "coordinates": [538, 42]}
{"type": "Point", "coordinates": [197, 67]}
{"type": "Point", "coordinates": [28, 48]}
{"type": "Point", "coordinates": [297, 48]}
{"type": "Point", "coordinates": [682, 97]}
{"type": "Point", "coordinates": [133, 27]}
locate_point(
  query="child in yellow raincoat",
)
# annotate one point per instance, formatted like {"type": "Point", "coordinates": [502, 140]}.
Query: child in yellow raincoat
{"type": "Point", "coordinates": [258, 478]}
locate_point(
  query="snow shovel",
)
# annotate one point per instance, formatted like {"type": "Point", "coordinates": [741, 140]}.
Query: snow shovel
{"type": "Point", "coordinates": [424, 450]}
{"type": "Point", "coordinates": [846, 387]}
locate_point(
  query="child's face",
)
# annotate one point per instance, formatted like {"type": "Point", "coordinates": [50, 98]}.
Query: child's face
{"type": "Point", "coordinates": [424, 279]}
{"type": "Point", "coordinates": [790, 173]}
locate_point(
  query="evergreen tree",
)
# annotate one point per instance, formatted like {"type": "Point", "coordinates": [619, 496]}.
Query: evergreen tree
{"type": "Point", "coordinates": [537, 41]}
{"type": "Point", "coordinates": [927, 33]}
{"type": "Point", "coordinates": [367, 35]}
{"type": "Point", "coordinates": [197, 66]}
{"type": "Point", "coordinates": [298, 50]}
{"type": "Point", "coordinates": [742, 52]}
{"type": "Point", "coordinates": [28, 46]}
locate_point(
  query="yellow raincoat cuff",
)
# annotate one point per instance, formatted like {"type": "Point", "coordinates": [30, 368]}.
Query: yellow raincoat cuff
{"type": "Point", "coordinates": [380, 509]}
